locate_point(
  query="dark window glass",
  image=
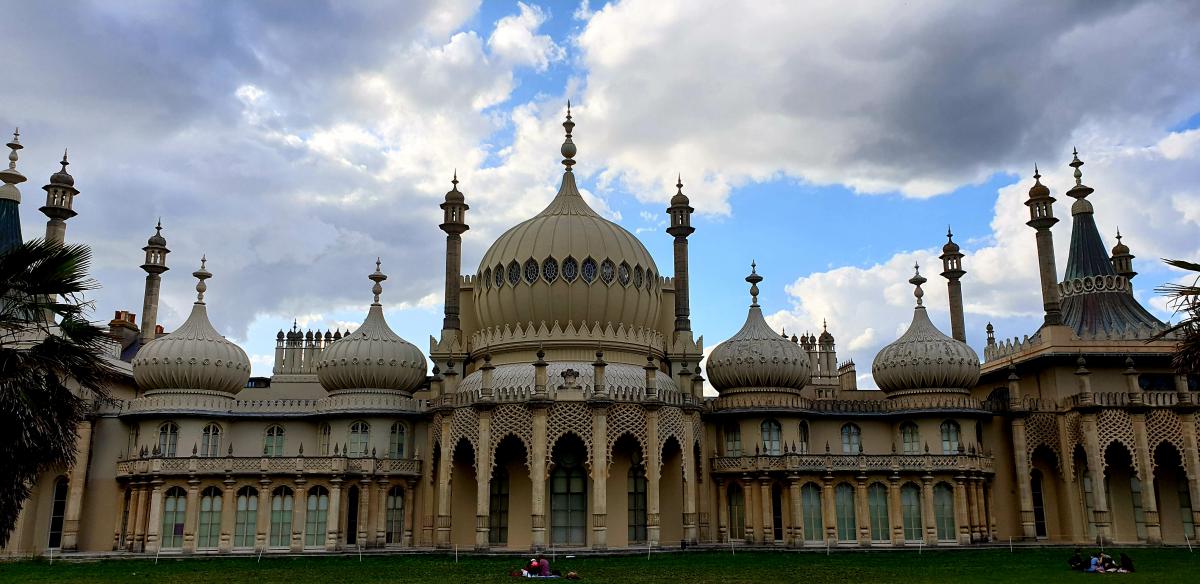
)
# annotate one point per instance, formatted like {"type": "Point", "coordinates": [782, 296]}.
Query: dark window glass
{"type": "Point", "coordinates": [589, 270]}
{"type": "Point", "coordinates": [550, 269]}
{"type": "Point", "coordinates": [570, 269]}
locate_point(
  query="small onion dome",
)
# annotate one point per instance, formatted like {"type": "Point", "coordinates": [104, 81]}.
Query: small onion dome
{"type": "Point", "coordinates": [157, 239]}
{"type": "Point", "coordinates": [1038, 190]}
{"type": "Point", "coordinates": [756, 357]}
{"type": "Point", "coordinates": [453, 195]}
{"type": "Point", "coordinates": [680, 199]}
{"type": "Point", "coordinates": [62, 177]}
{"type": "Point", "coordinates": [1120, 248]}
{"type": "Point", "coordinates": [373, 356]}
{"type": "Point", "coordinates": [825, 338]}
{"type": "Point", "coordinates": [923, 360]}
{"type": "Point", "coordinates": [194, 356]}
{"type": "Point", "coordinates": [950, 247]}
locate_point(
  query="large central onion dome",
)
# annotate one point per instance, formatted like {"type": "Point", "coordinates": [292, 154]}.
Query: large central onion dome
{"type": "Point", "coordinates": [567, 264]}
{"type": "Point", "coordinates": [194, 356]}
{"type": "Point", "coordinates": [757, 358]}
{"type": "Point", "coordinates": [373, 356]}
{"type": "Point", "coordinates": [923, 360]}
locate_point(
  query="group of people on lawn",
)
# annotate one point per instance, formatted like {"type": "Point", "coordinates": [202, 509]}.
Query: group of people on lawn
{"type": "Point", "coordinates": [1100, 563]}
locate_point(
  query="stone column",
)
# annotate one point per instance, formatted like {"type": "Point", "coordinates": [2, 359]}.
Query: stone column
{"type": "Point", "coordinates": [653, 469]}
{"type": "Point", "coordinates": [135, 532]}
{"type": "Point", "coordinates": [828, 507]}
{"type": "Point", "coordinates": [75, 486]}
{"type": "Point", "coordinates": [122, 514]}
{"type": "Point", "coordinates": [751, 513]}
{"type": "Point", "coordinates": [409, 512]}
{"type": "Point", "coordinates": [961, 516]}
{"type": "Point", "coordinates": [797, 532]}
{"type": "Point", "coordinates": [974, 509]}
{"type": "Point", "coordinates": [483, 481]}
{"type": "Point", "coordinates": [1091, 439]}
{"type": "Point", "coordinates": [333, 522]}
{"type": "Point", "coordinates": [722, 512]}
{"type": "Point", "coordinates": [228, 510]}
{"type": "Point", "coordinates": [428, 511]}
{"type": "Point", "coordinates": [1024, 488]}
{"type": "Point", "coordinates": [379, 512]}
{"type": "Point", "coordinates": [299, 516]}
{"type": "Point", "coordinates": [689, 482]}
{"type": "Point", "coordinates": [895, 510]}
{"type": "Point", "coordinates": [262, 519]}
{"type": "Point", "coordinates": [767, 536]}
{"type": "Point", "coordinates": [154, 518]}
{"type": "Point", "coordinates": [1146, 475]}
{"type": "Point", "coordinates": [537, 477]}
{"type": "Point", "coordinates": [443, 501]}
{"type": "Point", "coordinates": [599, 476]}
{"type": "Point", "coordinates": [1191, 462]}
{"type": "Point", "coordinates": [927, 514]}
{"type": "Point", "coordinates": [368, 507]}
{"type": "Point", "coordinates": [191, 516]}
{"type": "Point", "coordinates": [981, 513]}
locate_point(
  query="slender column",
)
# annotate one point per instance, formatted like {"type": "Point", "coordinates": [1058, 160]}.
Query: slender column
{"type": "Point", "coordinates": [1191, 463]}
{"type": "Point", "coordinates": [689, 484]}
{"type": "Point", "coordinates": [895, 511]}
{"type": "Point", "coordinates": [228, 507]}
{"type": "Point", "coordinates": [428, 511]}
{"type": "Point", "coordinates": [751, 514]}
{"type": "Point", "coordinates": [409, 512]}
{"type": "Point", "coordinates": [135, 533]}
{"type": "Point", "coordinates": [797, 531]}
{"type": "Point", "coordinates": [653, 469]}
{"type": "Point", "coordinates": [122, 516]}
{"type": "Point", "coordinates": [722, 512]}
{"type": "Point", "coordinates": [154, 517]}
{"type": "Point", "coordinates": [862, 511]}
{"type": "Point", "coordinates": [1024, 489]}
{"type": "Point", "coordinates": [680, 212]}
{"type": "Point", "coordinates": [981, 512]}
{"type": "Point", "coordinates": [75, 486]}
{"type": "Point", "coordinates": [1091, 439]}
{"type": "Point", "coordinates": [961, 516]}
{"type": "Point", "coordinates": [443, 502]}
{"type": "Point", "coordinates": [767, 536]}
{"type": "Point", "coordinates": [974, 508]}
{"type": "Point", "coordinates": [1041, 218]}
{"type": "Point", "coordinates": [368, 508]}
{"type": "Point", "coordinates": [537, 477]}
{"type": "Point", "coordinates": [191, 515]}
{"type": "Point", "coordinates": [483, 481]}
{"type": "Point", "coordinates": [1146, 475]}
{"type": "Point", "coordinates": [299, 516]}
{"type": "Point", "coordinates": [952, 270]}
{"type": "Point", "coordinates": [454, 223]}
{"type": "Point", "coordinates": [828, 507]}
{"type": "Point", "coordinates": [929, 517]}
{"type": "Point", "coordinates": [379, 512]}
{"type": "Point", "coordinates": [600, 477]}
{"type": "Point", "coordinates": [333, 523]}
{"type": "Point", "coordinates": [262, 519]}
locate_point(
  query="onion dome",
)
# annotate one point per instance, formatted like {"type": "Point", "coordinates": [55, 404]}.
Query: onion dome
{"type": "Point", "coordinates": [373, 356]}
{"type": "Point", "coordinates": [194, 356]}
{"type": "Point", "coordinates": [923, 360]}
{"type": "Point", "coordinates": [62, 177]}
{"type": "Point", "coordinates": [567, 264]}
{"type": "Point", "coordinates": [1120, 248]}
{"type": "Point", "coordinates": [825, 338]}
{"type": "Point", "coordinates": [679, 199]}
{"type": "Point", "coordinates": [1038, 190]}
{"type": "Point", "coordinates": [157, 240]}
{"type": "Point", "coordinates": [951, 247]}
{"type": "Point", "coordinates": [757, 358]}
{"type": "Point", "coordinates": [454, 195]}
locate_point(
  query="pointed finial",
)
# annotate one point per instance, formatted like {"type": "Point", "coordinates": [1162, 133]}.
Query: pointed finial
{"type": "Point", "coordinates": [679, 182]}
{"type": "Point", "coordinates": [949, 234]}
{"type": "Point", "coordinates": [378, 277]}
{"type": "Point", "coordinates": [917, 280]}
{"type": "Point", "coordinates": [454, 181]}
{"type": "Point", "coordinates": [1118, 234]}
{"type": "Point", "coordinates": [754, 279]}
{"type": "Point", "coordinates": [64, 160]}
{"type": "Point", "coordinates": [14, 146]}
{"type": "Point", "coordinates": [824, 325]}
{"type": "Point", "coordinates": [1036, 173]}
{"type": "Point", "coordinates": [1076, 163]}
{"type": "Point", "coordinates": [568, 149]}
{"type": "Point", "coordinates": [201, 275]}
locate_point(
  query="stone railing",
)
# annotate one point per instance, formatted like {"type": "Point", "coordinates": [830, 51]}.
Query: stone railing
{"type": "Point", "coordinates": [1105, 399]}
{"type": "Point", "coordinates": [211, 403]}
{"type": "Point", "coordinates": [286, 465]}
{"type": "Point", "coordinates": [862, 463]}
{"type": "Point", "coordinates": [524, 394]}
{"type": "Point", "coordinates": [841, 407]}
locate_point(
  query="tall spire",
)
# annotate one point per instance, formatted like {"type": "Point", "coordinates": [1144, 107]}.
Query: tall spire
{"type": "Point", "coordinates": [378, 277]}
{"type": "Point", "coordinates": [568, 149]}
{"type": "Point", "coordinates": [201, 275]}
{"type": "Point", "coordinates": [10, 197]}
{"type": "Point", "coordinates": [754, 279]}
{"type": "Point", "coordinates": [1080, 190]}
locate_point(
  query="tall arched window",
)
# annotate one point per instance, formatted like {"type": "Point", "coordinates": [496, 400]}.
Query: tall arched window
{"type": "Point", "coordinates": [847, 523]}
{"type": "Point", "coordinates": [131, 447]}
{"type": "Point", "coordinates": [943, 511]}
{"type": "Point", "coordinates": [1039, 505]}
{"type": "Point", "coordinates": [851, 439]}
{"type": "Point", "coordinates": [396, 441]}
{"type": "Point", "coordinates": [245, 526]}
{"type": "Point", "coordinates": [273, 441]}
{"type": "Point", "coordinates": [210, 440]}
{"type": "Point", "coordinates": [315, 516]}
{"type": "Point", "coordinates": [910, 437]}
{"type": "Point", "coordinates": [174, 512]}
{"type": "Point", "coordinates": [168, 438]}
{"type": "Point", "coordinates": [1139, 514]}
{"type": "Point", "coordinates": [877, 507]}
{"type": "Point", "coordinates": [324, 437]}
{"type": "Point", "coordinates": [498, 508]}
{"type": "Point", "coordinates": [281, 517]}
{"type": "Point", "coordinates": [950, 437]}
{"type": "Point", "coordinates": [1185, 507]}
{"type": "Point", "coordinates": [360, 436]}
{"type": "Point", "coordinates": [568, 502]}
{"type": "Point", "coordinates": [802, 445]}
{"type": "Point", "coordinates": [637, 502]}
{"type": "Point", "coordinates": [910, 503]}
{"type": "Point", "coordinates": [737, 512]}
{"type": "Point", "coordinates": [814, 516]}
{"type": "Point", "coordinates": [395, 515]}
{"type": "Point", "coordinates": [771, 437]}
{"type": "Point", "coordinates": [208, 530]}
{"type": "Point", "coordinates": [733, 439]}
{"type": "Point", "coordinates": [58, 511]}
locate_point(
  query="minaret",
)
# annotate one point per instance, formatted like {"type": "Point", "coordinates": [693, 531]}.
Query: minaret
{"type": "Point", "coordinates": [454, 223]}
{"type": "Point", "coordinates": [156, 263]}
{"type": "Point", "coordinates": [10, 197]}
{"type": "Point", "coordinates": [681, 227]}
{"type": "Point", "coordinates": [952, 271]}
{"type": "Point", "coordinates": [60, 198]}
{"type": "Point", "coordinates": [1041, 218]}
{"type": "Point", "coordinates": [1122, 260]}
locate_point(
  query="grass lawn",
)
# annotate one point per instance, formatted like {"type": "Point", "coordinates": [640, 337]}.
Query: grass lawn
{"type": "Point", "coordinates": [943, 567]}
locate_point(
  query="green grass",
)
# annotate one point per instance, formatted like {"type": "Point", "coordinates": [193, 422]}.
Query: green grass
{"type": "Point", "coordinates": [943, 567]}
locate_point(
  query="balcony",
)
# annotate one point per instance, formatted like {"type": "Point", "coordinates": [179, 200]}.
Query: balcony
{"type": "Point", "coordinates": [160, 466]}
{"type": "Point", "coordinates": [861, 463]}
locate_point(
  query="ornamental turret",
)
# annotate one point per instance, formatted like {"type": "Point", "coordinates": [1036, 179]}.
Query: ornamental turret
{"type": "Point", "coordinates": [10, 197]}
{"type": "Point", "coordinates": [1122, 260]}
{"type": "Point", "coordinates": [156, 263]}
{"type": "Point", "coordinates": [680, 212]}
{"type": "Point", "coordinates": [953, 272]}
{"type": "Point", "coordinates": [454, 223]}
{"type": "Point", "coordinates": [60, 202]}
{"type": "Point", "coordinates": [1041, 218]}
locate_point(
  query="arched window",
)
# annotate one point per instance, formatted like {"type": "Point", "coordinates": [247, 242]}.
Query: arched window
{"type": "Point", "coordinates": [851, 439]}
{"type": "Point", "coordinates": [950, 437]}
{"type": "Point", "coordinates": [943, 511]}
{"type": "Point", "coordinates": [360, 436]}
{"type": "Point", "coordinates": [1139, 514]}
{"type": "Point", "coordinates": [174, 512]}
{"type": "Point", "coordinates": [737, 512]}
{"type": "Point", "coordinates": [550, 269]}
{"type": "Point", "coordinates": [733, 439]}
{"type": "Point", "coordinates": [324, 437]}
{"type": "Point", "coordinates": [208, 531]}
{"type": "Point", "coordinates": [486, 278]}
{"type": "Point", "coordinates": [637, 502]}
{"type": "Point", "coordinates": [771, 437]}
{"type": "Point", "coordinates": [58, 512]}
{"type": "Point", "coordinates": [315, 516]}
{"type": "Point", "coordinates": [531, 271]}
{"type": "Point", "coordinates": [395, 515]}
{"type": "Point", "coordinates": [910, 503]}
{"type": "Point", "coordinates": [514, 273]}
{"type": "Point", "coordinates": [498, 508]}
{"type": "Point", "coordinates": [608, 271]}
{"type": "Point", "coordinates": [273, 441]}
{"type": "Point", "coordinates": [498, 276]}
{"type": "Point", "coordinates": [131, 447]}
{"type": "Point", "coordinates": [802, 445]}
{"type": "Point", "coordinates": [245, 526]}
{"type": "Point", "coordinates": [397, 440]}
{"type": "Point", "coordinates": [639, 277]}
{"type": "Point", "coordinates": [281, 517]}
{"type": "Point", "coordinates": [570, 269]}
{"type": "Point", "coordinates": [623, 274]}
{"type": "Point", "coordinates": [847, 524]}
{"type": "Point", "coordinates": [168, 439]}
{"type": "Point", "coordinates": [589, 270]}
{"type": "Point", "coordinates": [877, 508]}
{"type": "Point", "coordinates": [910, 437]}
{"type": "Point", "coordinates": [210, 440]}
{"type": "Point", "coordinates": [1039, 508]}
{"type": "Point", "coordinates": [568, 502]}
{"type": "Point", "coordinates": [814, 516]}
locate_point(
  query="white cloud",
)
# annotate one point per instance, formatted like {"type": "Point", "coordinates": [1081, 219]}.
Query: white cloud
{"type": "Point", "coordinates": [515, 40]}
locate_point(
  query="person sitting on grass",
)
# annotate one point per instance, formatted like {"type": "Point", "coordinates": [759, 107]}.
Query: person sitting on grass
{"type": "Point", "coordinates": [1126, 563]}
{"type": "Point", "coordinates": [1076, 561]}
{"type": "Point", "coordinates": [1094, 564]}
{"type": "Point", "coordinates": [1107, 562]}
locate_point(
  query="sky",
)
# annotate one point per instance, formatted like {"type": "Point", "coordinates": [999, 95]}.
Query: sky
{"type": "Point", "coordinates": [293, 142]}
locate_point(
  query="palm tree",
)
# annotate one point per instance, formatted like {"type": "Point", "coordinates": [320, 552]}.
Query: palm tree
{"type": "Point", "coordinates": [1185, 299]}
{"type": "Point", "coordinates": [50, 372]}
